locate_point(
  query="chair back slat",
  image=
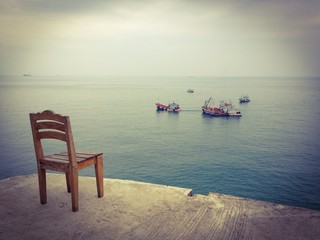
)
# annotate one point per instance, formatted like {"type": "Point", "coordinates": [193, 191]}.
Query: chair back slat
{"type": "Point", "coordinates": [50, 125]}
{"type": "Point", "coordinates": [52, 135]}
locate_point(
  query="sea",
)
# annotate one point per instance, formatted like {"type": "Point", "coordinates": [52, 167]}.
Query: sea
{"type": "Point", "coordinates": [271, 153]}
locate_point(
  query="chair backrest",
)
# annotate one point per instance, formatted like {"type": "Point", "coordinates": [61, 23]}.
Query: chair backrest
{"type": "Point", "coordinates": [49, 125]}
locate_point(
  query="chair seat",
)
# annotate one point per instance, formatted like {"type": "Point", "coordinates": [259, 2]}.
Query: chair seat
{"type": "Point", "coordinates": [61, 160]}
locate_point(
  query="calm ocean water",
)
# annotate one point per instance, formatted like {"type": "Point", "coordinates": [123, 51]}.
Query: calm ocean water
{"type": "Point", "coordinates": [271, 153]}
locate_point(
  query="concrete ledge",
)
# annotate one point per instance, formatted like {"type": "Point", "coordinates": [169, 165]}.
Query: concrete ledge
{"type": "Point", "coordinates": [135, 210]}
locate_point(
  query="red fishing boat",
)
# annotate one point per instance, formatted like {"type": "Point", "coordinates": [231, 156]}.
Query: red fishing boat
{"type": "Point", "coordinates": [171, 107]}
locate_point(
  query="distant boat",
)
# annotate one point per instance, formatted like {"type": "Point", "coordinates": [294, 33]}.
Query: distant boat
{"type": "Point", "coordinates": [225, 109]}
{"type": "Point", "coordinates": [244, 99]}
{"type": "Point", "coordinates": [190, 90]}
{"type": "Point", "coordinates": [27, 75]}
{"type": "Point", "coordinates": [171, 107]}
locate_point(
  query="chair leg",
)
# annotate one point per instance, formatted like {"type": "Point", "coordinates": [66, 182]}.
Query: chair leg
{"type": "Point", "coordinates": [42, 185]}
{"type": "Point", "coordinates": [99, 176]}
{"type": "Point", "coordinates": [74, 186]}
{"type": "Point", "coordinates": [68, 182]}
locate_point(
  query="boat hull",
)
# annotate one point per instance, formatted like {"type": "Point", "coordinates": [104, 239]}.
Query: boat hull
{"type": "Point", "coordinates": [173, 110]}
{"type": "Point", "coordinates": [244, 101]}
{"type": "Point", "coordinates": [216, 112]}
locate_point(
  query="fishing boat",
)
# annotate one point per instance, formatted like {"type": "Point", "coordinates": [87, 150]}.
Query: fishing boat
{"type": "Point", "coordinates": [161, 107]}
{"type": "Point", "coordinates": [244, 99]}
{"type": "Point", "coordinates": [171, 107]}
{"type": "Point", "coordinates": [190, 90]}
{"type": "Point", "coordinates": [225, 109]}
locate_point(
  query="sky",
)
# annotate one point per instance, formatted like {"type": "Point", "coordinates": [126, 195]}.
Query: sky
{"type": "Point", "coordinates": [160, 38]}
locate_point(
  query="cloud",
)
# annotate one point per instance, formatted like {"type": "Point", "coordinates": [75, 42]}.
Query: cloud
{"type": "Point", "coordinates": [160, 37]}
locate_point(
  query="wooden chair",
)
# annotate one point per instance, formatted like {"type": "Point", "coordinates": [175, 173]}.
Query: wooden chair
{"type": "Point", "coordinates": [49, 125]}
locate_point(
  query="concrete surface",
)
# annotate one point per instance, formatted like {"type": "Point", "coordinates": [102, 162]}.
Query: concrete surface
{"type": "Point", "coordinates": [135, 210]}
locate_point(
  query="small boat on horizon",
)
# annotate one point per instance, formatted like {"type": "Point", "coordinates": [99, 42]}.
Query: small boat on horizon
{"type": "Point", "coordinates": [171, 107]}
{"type": "Point", "coordinates": [225, 109]}
{"type": "Point", "coordinates": [244, 99]}
{"type": "Point", "coordinates": [190, 90]}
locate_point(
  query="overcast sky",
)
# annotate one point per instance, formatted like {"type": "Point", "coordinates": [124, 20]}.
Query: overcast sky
{"type": "Point", "coordinates": [160, 38]}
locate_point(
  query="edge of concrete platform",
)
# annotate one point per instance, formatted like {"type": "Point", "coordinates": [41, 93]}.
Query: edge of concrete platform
{"type": "Point", "coordinates": [184, 191]}
{"type": "Point", "coordinates": [180, 190]}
